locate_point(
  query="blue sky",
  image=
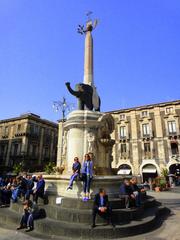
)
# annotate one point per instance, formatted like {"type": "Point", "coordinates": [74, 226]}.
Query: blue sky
{"type": "Point", "coordinates": [136, 53]}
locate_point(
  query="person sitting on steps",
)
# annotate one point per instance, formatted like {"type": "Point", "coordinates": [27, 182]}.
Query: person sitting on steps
{"type": "Point", "coordinates": [27, 220]}
{"type": "Point", "coordinates": [76, 172]}
{"type": "Point", "coordinates": [136, 191]}
{"type": "Point", "coordinates": [127, 193]}
{"type": "Point", "coordinates": [31, 212]}
{"type": "Point", "coordinates": [102, 207]}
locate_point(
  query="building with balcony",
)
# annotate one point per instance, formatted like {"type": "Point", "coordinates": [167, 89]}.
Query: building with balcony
{"type": "Point", "coordinates": [29, 140]}
{"type": "Point", "coordinates": [147, 139]}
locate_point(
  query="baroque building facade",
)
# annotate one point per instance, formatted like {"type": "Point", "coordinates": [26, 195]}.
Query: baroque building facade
{"type": "Point", "coordinates": [27, 139]}
{"type": "Point", "coordinates": [147, 139]}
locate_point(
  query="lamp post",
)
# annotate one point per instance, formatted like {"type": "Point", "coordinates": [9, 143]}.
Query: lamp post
{"type": "Point", "coordinates": [64, 107]}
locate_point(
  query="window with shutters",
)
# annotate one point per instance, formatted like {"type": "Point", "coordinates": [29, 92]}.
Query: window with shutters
{"type": "Point", "coordinates": [171, 127]}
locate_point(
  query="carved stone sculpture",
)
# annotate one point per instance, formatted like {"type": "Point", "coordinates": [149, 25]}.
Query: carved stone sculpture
{"type": "Point", "coordinates": [84, 93]}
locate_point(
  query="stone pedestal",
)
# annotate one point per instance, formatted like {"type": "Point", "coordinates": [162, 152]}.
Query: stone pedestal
{"type": "Point", "coordinates": [78, 125]}
{"type": "Point", "coordinates": [88, 132]}
{"type": "Point", "coordinates": [56, 185]}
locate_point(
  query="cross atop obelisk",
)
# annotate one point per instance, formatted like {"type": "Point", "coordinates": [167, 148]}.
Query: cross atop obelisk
{"type": "Point", "coordinates": [88, 53]}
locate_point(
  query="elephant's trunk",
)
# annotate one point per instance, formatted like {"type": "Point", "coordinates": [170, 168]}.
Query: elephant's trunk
{"type": "Point", "coordinates": [74, 93]}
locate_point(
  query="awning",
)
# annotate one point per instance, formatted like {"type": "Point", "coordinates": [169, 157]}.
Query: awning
{"type": "Point", "coordinates": [149, 170]}
{"type": "Point", "coordinates": [171, 175]}
{"type": "Point", "coordinates": [124, 171]}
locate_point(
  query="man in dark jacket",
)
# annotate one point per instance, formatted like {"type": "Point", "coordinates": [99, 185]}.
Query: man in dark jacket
{"type": "Point", "coordinates": [39, 191]}
{"type": "Point", "coordinates": [127, 193]}
{"type": "Point", "coordinates": [22, 185]}
{"type": "Point", "coordinates": [102, 207]}
{"type": "Point", "coordinates": [30, 185]}
{"type": "Point", "coordinates": [136, 191]}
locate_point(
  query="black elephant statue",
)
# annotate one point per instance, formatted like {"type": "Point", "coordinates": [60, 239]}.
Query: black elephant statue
{"type": "Point", "coordinates": [86, 96]}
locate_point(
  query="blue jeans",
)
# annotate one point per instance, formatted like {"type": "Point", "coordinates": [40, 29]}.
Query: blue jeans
{"type": "Point", "coordinates": [87, 183]}
{"type": "Point", "coordinates": [24, 219]}
{"type": "Point", "coordinates": [21, 192]}
{"type": "Point", "coordinates": [28, 193]}
{"type": "Point", "coordinates": [27, 220]}
{"type": "Point", "coordinates": [138, 199]}
{"type": "Point", "coordinates": [15, 193]}
{"type": "Point", "coordinates": [72, 179]}
{"type": "Point", "coordinates": [30, 221]}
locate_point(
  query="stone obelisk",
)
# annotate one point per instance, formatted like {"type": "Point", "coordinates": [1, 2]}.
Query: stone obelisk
{"type": "Point", "coordinates": [88, 62]}
{"type": "Point", "coordinates": [88, 55]}
{"type": "Point", "coordinates": [87, 131]}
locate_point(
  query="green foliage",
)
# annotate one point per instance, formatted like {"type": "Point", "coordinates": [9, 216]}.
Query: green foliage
{"type": "Point", "coordinates": [18, 167]}
{"type": "Point", "coordinates": [164, 172]}
{"type": "Point", "coordinates": [49, 168]}
{"type": "Point", "coordinates": [160, 182]}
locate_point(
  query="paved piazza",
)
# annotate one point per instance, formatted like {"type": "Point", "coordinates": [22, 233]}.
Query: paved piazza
{"type": "Point", "coordinates": [169, 230]}
{"type": "Point", "coordinates": [6, 234]}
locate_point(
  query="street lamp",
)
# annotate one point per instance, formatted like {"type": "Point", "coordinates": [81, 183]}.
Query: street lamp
{"type": "Point", "coordinates": [64, 107]}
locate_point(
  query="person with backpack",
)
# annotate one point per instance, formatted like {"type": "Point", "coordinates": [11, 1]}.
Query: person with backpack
{"type": "Point", "coordinates": [27, 220]}
{"type": "Point", "coordinates": [31, 212]}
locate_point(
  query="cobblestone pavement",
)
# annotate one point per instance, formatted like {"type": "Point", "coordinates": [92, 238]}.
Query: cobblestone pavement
{"type": "Point", "coordinates": [6, 234]}
{"type": "Point", "coordinates": [170, 230]}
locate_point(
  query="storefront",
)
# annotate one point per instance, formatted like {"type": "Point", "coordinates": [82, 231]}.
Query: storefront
{"type": "Point", "coordinates": [124, 169]}
{"type": "Point", "coordinates": [149, 171]}
{"type": "Point", "coordinates": [175, 169]}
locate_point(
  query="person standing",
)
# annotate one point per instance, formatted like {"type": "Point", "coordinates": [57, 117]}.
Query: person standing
{"type": "Point", "coordinates": [30, 185]}
{"type": "Point", "coordinates": [39, 191]}
{"type": "Point", "coordinates": [87, 175]}
{"type": "Point", "coordinates": [76, 172]}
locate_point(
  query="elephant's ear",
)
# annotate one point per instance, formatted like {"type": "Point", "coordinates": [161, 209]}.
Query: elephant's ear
{"type": "Point", "coordinates": [81, 86]}
{"type": "Point", "coordinates": [95, 99]}
{"type": "Point", "coordinates": [87, 88]}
